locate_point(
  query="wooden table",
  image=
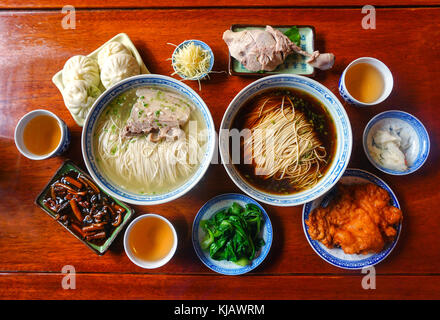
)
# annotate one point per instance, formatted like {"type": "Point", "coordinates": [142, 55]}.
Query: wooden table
{"type": "Point", "coordinates": [34, 249]}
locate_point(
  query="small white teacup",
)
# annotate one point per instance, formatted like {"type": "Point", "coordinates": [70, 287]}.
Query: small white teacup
{"type": "Point", "coordinates": [149, 264]}
{"type": "Point", "coordinates": [386, 75]}
{"type": "Point", "coordinates": [19, 130]}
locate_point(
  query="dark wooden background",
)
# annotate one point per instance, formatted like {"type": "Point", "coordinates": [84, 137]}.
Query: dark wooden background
{"type": "Point", "coordinates": [34, 248]}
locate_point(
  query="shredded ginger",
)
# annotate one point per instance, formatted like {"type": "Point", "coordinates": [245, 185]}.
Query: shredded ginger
{"type": "Point", "coordinates": [191, 61]}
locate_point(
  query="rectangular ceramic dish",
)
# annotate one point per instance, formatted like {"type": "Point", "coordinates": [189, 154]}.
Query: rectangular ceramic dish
{"type": "Point", "coordinates": [122, 38]}
{"type": "Point", "coordinates": [294, 63]}
{"type": "Point", "coordinates": [66, 167]}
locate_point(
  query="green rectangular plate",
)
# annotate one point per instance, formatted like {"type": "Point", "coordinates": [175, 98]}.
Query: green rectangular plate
{"type": "Point", "coordinates": [294, 63]}
{"type": "Point", "coordinates": [66, 167]}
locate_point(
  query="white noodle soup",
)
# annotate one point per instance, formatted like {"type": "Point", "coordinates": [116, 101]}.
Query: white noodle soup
{"type": "Point", "coordinates": [149, 140]}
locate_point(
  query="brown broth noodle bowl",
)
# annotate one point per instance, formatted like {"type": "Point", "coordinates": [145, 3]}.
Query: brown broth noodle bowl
{"type": "Point", "coordinates": [283, 143]}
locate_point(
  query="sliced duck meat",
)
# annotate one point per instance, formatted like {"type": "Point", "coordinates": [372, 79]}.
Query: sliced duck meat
{"type": "Point", "coordinates": [265, 49]}
{"type": "Point", "coordinates": [254, 49]}
{"type": "Point", "coordinates": [159, 112]}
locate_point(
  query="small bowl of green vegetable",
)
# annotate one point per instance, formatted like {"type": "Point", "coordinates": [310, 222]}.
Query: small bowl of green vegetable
{"type": "Point", "coordinates": [232, 234]}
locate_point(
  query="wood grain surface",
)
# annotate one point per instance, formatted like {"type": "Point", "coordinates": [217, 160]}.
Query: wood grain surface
{"type": "Point", "coordinates": [177, 287]}
{"type": "Point", "coordinates": [38, 4]}
{"type": "Point", "coordinates": [34, 46]}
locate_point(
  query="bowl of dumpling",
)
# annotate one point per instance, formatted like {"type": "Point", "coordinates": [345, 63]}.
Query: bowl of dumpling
{"type": "Point", "coordinates": [396, 142]}
{"type": "Point", "coordinates": [148, 139]}
{"type": "Point", "coordinates": [85, 77]}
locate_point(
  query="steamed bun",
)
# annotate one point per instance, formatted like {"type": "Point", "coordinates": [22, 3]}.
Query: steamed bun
{"type": "Point", "coordinates": [118, 67]}
{"type": "Point", "coordinates": [79, 96]}
{"type": "Point", "coordinates": [110, 49]}
{"type": "Point", "coordinates": [81, 68]}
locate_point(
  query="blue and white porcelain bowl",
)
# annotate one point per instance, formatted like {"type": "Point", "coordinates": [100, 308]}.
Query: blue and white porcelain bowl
{"type": "Point", "coordinates": [337, 113]}
{"type": "Point", "coordinates": [102, 102]}
{"type": "Point", "coordinates": [210, 208]}
{"type": "Point", "coordinates": [418, 151]}
{"type": "Point", "coordinates": [336, 256]}
{"type": "Point", "coordinates": [197, 43]}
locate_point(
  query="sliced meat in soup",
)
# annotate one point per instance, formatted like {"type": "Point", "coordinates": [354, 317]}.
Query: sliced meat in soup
{"type": "Point", "coordinates": [158, 112]}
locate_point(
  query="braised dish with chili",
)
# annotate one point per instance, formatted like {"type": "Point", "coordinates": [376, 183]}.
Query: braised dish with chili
{"type": "Point", "coordinates": [75, 201]}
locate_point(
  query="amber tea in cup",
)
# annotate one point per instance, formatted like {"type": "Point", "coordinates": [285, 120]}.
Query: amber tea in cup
{"type": "Point", "coordinates": [150, 241]}
{"type": "Point", "coordinates": [365, 82]}
{"type": "Point", "coordinates": [40, 134]}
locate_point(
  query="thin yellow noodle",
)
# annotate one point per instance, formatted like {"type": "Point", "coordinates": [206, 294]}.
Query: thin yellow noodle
{"type": "Point", "coordinates": [144, 165]}
{"type": "Point", "coordinates": [297, 153]}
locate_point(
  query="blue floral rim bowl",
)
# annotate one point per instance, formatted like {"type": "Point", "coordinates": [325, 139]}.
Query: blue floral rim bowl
{"type": "Point", "coordinates": [211, 207]}
{"type": "Point", "coordinates": [102, 102]}
{"type": "Point", "coordinates": [416, 154]}
{"type": "Point", "coordinates": [337, 113]}
{"type": "Point", "coordinates": [336, 256]}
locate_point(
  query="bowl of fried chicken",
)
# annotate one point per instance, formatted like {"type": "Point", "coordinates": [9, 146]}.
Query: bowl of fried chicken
{"type": "Point", "coordinates": [356, 224]}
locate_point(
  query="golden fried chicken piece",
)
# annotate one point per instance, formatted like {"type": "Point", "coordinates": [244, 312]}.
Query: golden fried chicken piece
{"type": "Point", "coordinates": [360, 219]}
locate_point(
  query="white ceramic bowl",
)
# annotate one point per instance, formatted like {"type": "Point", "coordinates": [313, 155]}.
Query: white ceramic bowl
{"type": "Point", "coordinates": [337, 113]}
{"type": "Point", "coordinates": [149, 264]}
{"type": "Point", "coordinates": [383, 69]}
{"type": "Point", "coordinates": [19, 129]}
{"type": "Point", "coordinates": [415, 155]}
{"type": "Point", "coordinates": [102, 102]}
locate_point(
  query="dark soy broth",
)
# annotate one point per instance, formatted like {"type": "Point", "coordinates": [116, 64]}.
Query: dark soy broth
{"type": "Point", "coordinates": [314, 111]}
